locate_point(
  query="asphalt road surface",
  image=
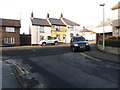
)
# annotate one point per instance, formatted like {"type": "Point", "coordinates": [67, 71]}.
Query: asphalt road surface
{"type": "Point", "coordinates": [61, 68]}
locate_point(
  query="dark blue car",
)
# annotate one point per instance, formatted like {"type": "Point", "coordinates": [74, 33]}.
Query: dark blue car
{"type": "Point", "coordinates": [79, 43]}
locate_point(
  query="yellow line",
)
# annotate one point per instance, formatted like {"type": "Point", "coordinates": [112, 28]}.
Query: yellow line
{"type": "Point", "coordinates": [23, 70]}
{"type": "Point", "coordinates": [90, 57]}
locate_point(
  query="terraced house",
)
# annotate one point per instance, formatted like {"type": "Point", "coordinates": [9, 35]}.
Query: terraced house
{"type": "Point", "coordinates": [40, 29]}
{"type": "Point", "coordinates": [72, 28]}
{"type": "Point", "coordinates": [61, 27]}
{"type": "Point", "coordinates": [10, 31]}
{"type": "Point", "coordinates": [58, 28]}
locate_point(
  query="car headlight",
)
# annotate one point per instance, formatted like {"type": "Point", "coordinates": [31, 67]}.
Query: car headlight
{"type": "Point", "coordinates": [87, 43]}
{"type": "Point", "coordinates": [75, 44]}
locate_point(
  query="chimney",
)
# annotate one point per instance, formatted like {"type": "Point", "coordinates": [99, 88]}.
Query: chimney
{"type": "Point", "coordinates": [84, 27]}
{"type": "Point", "coordinates": [47, 15]}
{"type": "Point", "coordinates": [32, 14]}
{"type": "Point", "coordinates": [61, 15]}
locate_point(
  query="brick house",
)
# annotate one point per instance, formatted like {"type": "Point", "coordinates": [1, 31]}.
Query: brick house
{"type": "Point", "coordinates": [10, 32]}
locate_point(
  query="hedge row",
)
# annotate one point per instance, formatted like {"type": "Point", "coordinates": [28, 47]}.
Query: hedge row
{"type": "Point", "coordinates": [113, 43]}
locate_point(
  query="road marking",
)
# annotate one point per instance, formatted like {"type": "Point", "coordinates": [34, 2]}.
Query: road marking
{"type": "Point", "coordinates": [90, 57]}
{"type": "Point", "coordinates": [98, 60]}
{"type": "Point", "coordinates": [23, 70]}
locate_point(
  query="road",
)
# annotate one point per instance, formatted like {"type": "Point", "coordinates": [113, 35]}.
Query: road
{"type": "Point", "coordinates": [58, 67]}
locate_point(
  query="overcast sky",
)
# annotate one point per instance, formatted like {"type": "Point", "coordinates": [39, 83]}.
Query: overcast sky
{"type": "Point", "coordinates": [83, 12]}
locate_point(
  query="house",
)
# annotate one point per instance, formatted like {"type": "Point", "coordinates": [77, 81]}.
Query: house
{"type": "Point", "coordinates": [88, 34]}
{"type": "Point", "coordinates": [116, 20]}
{"type": "Point", "coordinates": [99, 31]}
{"type": "Point", "coordinates": [72, 28]}
{"type": "Point", "coordinates": [10, 30]}
{"type": "Point", "coordinates": [58, 28]}
{"type": "Point", "coordinates": [40, 29]}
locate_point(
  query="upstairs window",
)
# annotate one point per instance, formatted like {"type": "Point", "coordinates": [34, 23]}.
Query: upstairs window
{"type": "Point", "coordinates": [41, 29]}
{"type": "Point", "coordinates": [10, 29]}
{"type": "Point", "coordinates": [57, 28]}
{"type": "Point", "coordinates": [70, 27]}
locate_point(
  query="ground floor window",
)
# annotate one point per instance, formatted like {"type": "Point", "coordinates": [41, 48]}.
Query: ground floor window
{"type": "Point", "coordinates": [9, 40]}
{"type": "Point", "coordinates": [58, 36]}
{"type": "Point", "coordinates": [71, 35]}
{"type": "Point", "coordinates": [41, 38]}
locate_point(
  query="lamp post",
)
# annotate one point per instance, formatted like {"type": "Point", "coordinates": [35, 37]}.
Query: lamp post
{"type": "Point", "coordinates": [103, 27]}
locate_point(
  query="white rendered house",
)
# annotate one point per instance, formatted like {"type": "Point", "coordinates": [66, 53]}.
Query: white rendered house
{"type": "Point", "coordinates": [72, 28]}
{"type": "Point", "coordinates": [40, 29]}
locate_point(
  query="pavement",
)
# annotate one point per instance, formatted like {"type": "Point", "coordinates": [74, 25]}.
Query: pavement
{"type": "Point", "coordinates": [8, 77]}
{"type": "Point", "coordinates": [94, 52]}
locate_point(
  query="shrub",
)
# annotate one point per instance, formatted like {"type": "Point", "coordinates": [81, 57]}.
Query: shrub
{"type": "Point", "coordinates": [112, 38]}
{"type": "Point", "coordinates": [110, 42]}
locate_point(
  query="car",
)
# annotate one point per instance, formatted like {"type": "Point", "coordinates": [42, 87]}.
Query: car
{"type": "Point", "coordinates": [79, 43]}
{"type": "Point", "coordinates": [51, 40]}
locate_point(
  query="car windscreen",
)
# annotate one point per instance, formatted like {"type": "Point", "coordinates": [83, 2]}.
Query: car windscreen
{"type": "Point", "coordinates": [78, 39]}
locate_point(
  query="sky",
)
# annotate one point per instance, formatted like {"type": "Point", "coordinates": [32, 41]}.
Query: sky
{"type": "Point", "coordinates": [83, 12]}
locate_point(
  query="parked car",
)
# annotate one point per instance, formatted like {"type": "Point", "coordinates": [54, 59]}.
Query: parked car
{"type": "Point", "coordinates": [52, 40]}
{"type": "Point", "coordinates": [79, 43]}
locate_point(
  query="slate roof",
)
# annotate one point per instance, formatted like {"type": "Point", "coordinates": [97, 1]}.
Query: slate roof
{"type": "Point", "coordinates": [68, 22]}
{"type": "Point", "coordinates": [55, 21]}
{"type": "Point", "coordinates": [10, 23]}
{"type": "Point", "coordinates": [40, 22]}
{"type": "Point", "coordinates": [117, 6]}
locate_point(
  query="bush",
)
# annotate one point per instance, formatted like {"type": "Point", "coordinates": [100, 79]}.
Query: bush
{"type": "Point", "coordinates": [111, 41]}
{"type": "Point", "coordinates": [112, 38]}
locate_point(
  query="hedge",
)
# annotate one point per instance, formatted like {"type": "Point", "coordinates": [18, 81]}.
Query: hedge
{"type": "Point", "coordinates": [113, 43]}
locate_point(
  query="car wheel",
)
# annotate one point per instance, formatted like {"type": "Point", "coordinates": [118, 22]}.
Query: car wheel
{"type": "Point", "coordinates": [73, 49]}
{"type": "Point", "coordinates": [43, 44]}
{"type": "Point", "coordinates": [87, 48]}
{"type": "Point", "coordinates": [55, 43]}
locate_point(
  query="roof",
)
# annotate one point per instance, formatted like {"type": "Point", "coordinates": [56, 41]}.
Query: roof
{"type": "Point", "coordinates": [40, 22]}
{"type": "Point", "coordinates": [55, 21]}
{"type": "Point", "coordinates": [105, 24]}
{"type": "Point", "coordinates": [107, 29]}
{"type": "Point", "coordinates": [85, 30]}
{"type": "Point", "coordinates": [68, 22]}
{"type": "Point", "coordinates": [10, 22]}
{"type": "Point", "coordinates": [117, 6]}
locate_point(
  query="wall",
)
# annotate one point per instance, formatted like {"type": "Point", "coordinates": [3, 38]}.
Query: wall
{"type": "Point", "coordinates": [75, 30]}
{"type": "Point", "coordinates": [15, 34]}
{"type": "Point", "coordinates": [35, 34]}
{"type": "Point", "coordinates": [116, 31]}
{"type": "Point", "coordinates": [113, 50]}
{"type": "Point", "coordinates": [25, 39]}
{"type": "Point", "coordinates": [62, 32]}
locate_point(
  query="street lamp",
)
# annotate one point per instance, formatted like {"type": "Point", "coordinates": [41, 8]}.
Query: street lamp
{"type": "Point", "coordinates": [103, 26]}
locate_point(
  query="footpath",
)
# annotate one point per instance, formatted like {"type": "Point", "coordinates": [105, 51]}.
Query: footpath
{"type": "Point", "coordinates": [94, 52]}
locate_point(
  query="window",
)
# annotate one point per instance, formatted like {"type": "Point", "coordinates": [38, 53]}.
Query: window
{"type": "Point", "coordinates": [79, 39]}
{"type": "Point", "coordinates": [57, 28]}
{"type": "Point", "coordinates": [42, 29]}
{"type": "Point", "coordinates": [41, 38]}
{"type": "Point", "coordinates": [10, 29]}
{"type": "Point", "coordinates": [9, 40]}
{"type": "Point", "coordinates": [58, 36]}
{"type": "Point", "coordinates": [71, 27]}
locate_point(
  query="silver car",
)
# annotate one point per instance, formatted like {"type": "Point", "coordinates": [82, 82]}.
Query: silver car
{"type": "Point", "coordinates": [79, 43]}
